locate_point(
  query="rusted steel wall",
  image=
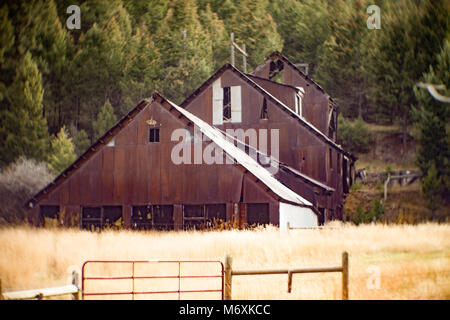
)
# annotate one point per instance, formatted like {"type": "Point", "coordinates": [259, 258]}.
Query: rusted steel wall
{"type": "Point", "coordinates": [315, 102]}
{"type": "Point", "coordinates": [299, 147]}
{"type": "Point", "coordinates": [136, 172]}
{"type": "Point", "coordinates": [284, 93]}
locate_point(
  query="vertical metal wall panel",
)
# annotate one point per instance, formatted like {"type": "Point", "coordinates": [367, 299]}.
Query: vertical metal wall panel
{"type": "Point", "coordinates": [120, 174]}
{"type": "Point", "coordinates": [132, 178]}
{"type": "Point", "coordinates": [141, 174]}
{"type": "Point", "coordinates": [154, 186]}
{"type": "Point", "coordinates": [75, 185]}
{"type": "Point", "coordinates": [107, 175]}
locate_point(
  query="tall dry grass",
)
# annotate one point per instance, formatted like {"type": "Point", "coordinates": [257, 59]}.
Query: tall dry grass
{"type": "Point", "coordinates": [414, 261]}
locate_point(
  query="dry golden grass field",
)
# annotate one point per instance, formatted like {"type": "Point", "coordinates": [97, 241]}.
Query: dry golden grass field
{"type": "Point", "coordinates": [413, 262]}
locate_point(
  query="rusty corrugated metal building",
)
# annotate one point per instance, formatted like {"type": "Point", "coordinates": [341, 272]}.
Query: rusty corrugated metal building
{"type": "Point", "coordinates": [130, 172]}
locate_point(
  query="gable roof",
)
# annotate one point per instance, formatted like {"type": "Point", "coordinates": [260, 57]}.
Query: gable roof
{"type": "Point", "coordinates": [284, 193]}
{"type": "Point", "coordinates": [88, 154]}
{"type": "Point", "coordinates": [278, 55]}
{"type": "Point", "coordinates": [244, 159]}
{"type": "Point", "coordinates": [268, 95]}
{"type": "Point", "coordinates": [307, 179]}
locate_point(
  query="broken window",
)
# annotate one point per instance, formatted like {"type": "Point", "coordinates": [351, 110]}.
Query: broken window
{"type": "Point", "coordinates": [226, 104]}
{"type": "Point", "coordinates": [91, 218]}
{"type": "Point", "coordinates": [264, 114]}
{"type": "Point", "coordinates": [48, 215]}
{"type": "Point", "coordinates": [216, 212]}
{"type": "Point", "coordinates": [163, 217]}
{"type": "Point", "coordinates": [200, 216]}
{"type": "Point", "coordinates": [148, 217]}
{"type": "Point", "coordinates": [153, 135]}
{"type": "Point", "coordinates": [141, 217]}
{"type": "Point", "coordinates": [276, 68]}
{"type": "Point", "coordinates": [111, 215]}
{"type": "Point", "coordinates": [257, 213]}
{"type": "Point", "coordinates": [194, 217]}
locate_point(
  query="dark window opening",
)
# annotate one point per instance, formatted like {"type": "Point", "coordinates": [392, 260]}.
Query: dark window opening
{"type": "Point", "coordinates": [48, 214]}
{"type": "Point", "coordinates": [159, 217]}
{"type": "Point", "coordinates": [153, 135]}
{"type": "Point", "coordinates": [163, 217]}
{"type": "Point", "coordinates": [91, 218]}
{"type": "Point", "coordinates": [141, 217]}
{"type": "Point", "coordinates": [258, 213]}
{"type": "Point", "coordinates": [199, 217]}
{"type": "Point", "coordinates": [321, 216]}
{"type": "Point", "coordinates": [226, 103]}
{"type": "Point", "coordinates": [111, 216]}
{"type": "Point", "coordinates": [275, 68]}
{"type": "Point", "coordinates": [216, 211]}
{"type": "Point", "coordinates": [264, 114]}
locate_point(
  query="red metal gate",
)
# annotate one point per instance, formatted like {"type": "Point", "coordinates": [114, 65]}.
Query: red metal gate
{"type": "Point", "coordinates": [133, 277]}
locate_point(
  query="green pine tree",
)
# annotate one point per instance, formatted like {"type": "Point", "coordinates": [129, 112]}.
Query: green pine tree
{"type": "Point", "coordinates": [342, 60]}
{"type": "Point", "coordinates": [23, 129]}
{"type": "Point", "coordinates": [219, 36]}
{"type": "Point", "coordinates": [187, 47]}
{"type": "Point", "coordinates": [402, 52]}
{"type": "Point", "coordinates": [304, 27]}
{"type": "Point", "coordinates": [253, 25]}
{"type": "Point", "coordinates": [80, 140]}
{"type": "Point", "coordinates": [433, 123]}
{"type": "Point", "coordinates": [105, 119]}
{"type": "Point", "coordinates": [62, 152]}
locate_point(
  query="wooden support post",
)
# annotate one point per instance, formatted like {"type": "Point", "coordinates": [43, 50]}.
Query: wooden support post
{"type": "Point", "coordinates": [345, 274]}
{"type": "Point", "coordinates": [244, 59]}
{"type": "Point", "coordinates": [289, 280]}
{"type": "Point", "coordinates": [76, 282]}
{"type": "Point", "coordinates": [232, 48]}
{"type": "Point", "coordinates": [228, 277]}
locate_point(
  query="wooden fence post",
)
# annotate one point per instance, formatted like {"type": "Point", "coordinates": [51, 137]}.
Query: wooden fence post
{"type": "Point", "coordinates": [344, 275]}
{"type": "Point", "coordinates": [228, 277]}
{"type": "Point", "coordinates": [76, 282]}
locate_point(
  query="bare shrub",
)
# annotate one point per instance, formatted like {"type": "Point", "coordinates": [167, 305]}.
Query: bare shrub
{"type": "Point", "coordinates": [18, 183]}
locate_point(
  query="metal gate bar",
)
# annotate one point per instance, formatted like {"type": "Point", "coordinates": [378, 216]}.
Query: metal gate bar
{"type": "Point", "coordinates": [133, 292]}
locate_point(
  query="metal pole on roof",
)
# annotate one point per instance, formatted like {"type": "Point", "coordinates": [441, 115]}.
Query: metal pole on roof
{"type": "Point", "coordinates": [241, 50]}
{"type": "Point", "coordinates": [244, 59]}
{"type": "Point", "coordinates": [232, 48]}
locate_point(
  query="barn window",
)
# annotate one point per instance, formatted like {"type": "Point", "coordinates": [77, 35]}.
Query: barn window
{"type": "Point", "coordinates": [91, 218]}
{"type": "Point", "coordinates": [153, 135]}
{"type": "Point", "coordinates": [216, 212]}
{"type": "Point", "coordinates": [48, 212]}
{"type": "Point", "coordinates": [200, 216]}
{"type": "Point", "coordinates": [158, 217]}
{"type": "Point", "coordinates": [226, 104]}
{"type": "Point", "coordinates": [111, 215]}
{"type": "Point", "coordinates": [141, 217]}
{"type": "Point", "coordinates": [194, 216]}
{"type": "Point", "coordinates": [298, 101]}
{"type": "Point", "coordinates": [264, 114]}
{"type": "Point", "coordinates": [257, 213]}
{"type": "Point", "coordinates": [163, 217]}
